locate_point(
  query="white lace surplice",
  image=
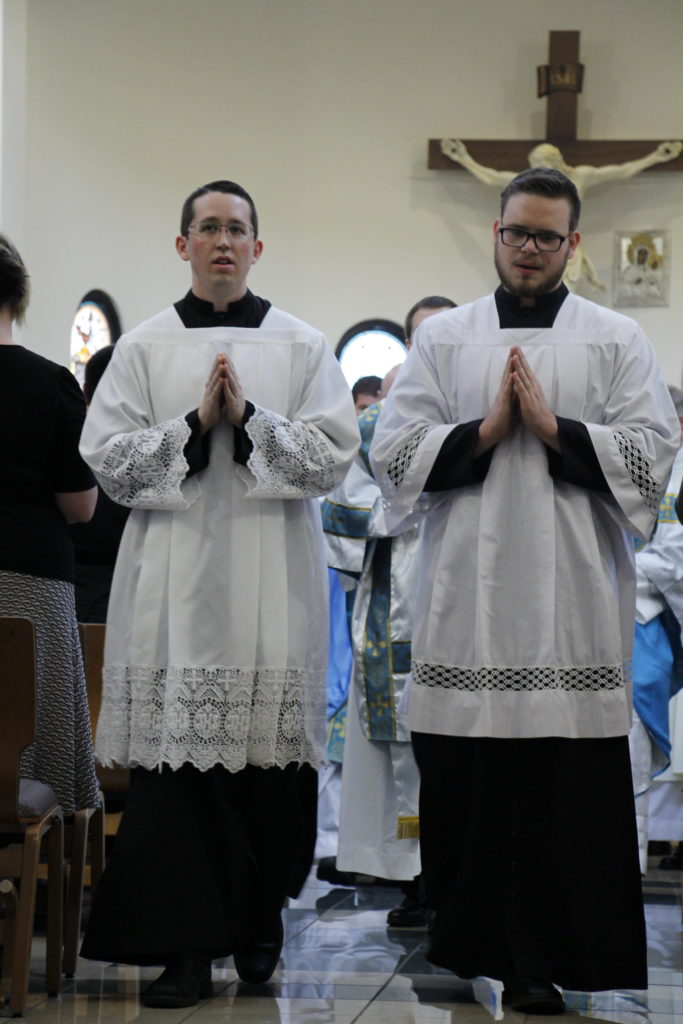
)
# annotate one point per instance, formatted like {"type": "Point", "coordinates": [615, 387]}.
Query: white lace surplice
{"type": "Point", "coordinates": [525, 606]}
{"type": "Point", "coordinates": [217, 634]}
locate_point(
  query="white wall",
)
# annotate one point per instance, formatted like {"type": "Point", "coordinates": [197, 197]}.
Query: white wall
{"type": "Point", "coordinates": [13, 116]}
{"type": "Point", "coordinates": [322, 109]}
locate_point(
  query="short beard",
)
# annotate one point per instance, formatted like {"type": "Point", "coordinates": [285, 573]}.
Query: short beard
{"type": "Point", "coordinates": [528, 290]}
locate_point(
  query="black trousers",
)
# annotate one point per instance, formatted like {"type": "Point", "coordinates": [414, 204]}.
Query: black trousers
{"type": "Point", "coordinates": [203, 862]}
{"type": "Point", "coordinates": [530, 859]}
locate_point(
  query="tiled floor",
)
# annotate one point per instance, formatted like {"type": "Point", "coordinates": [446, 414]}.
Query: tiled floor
{"type": "Point", "coordinates": [340, 965]}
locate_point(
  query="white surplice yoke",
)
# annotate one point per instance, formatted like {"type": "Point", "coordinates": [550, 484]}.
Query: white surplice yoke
{"type": "Point", "coordinates": [525, 605]}
{"type": "Point", "coordinates": [216, 649]}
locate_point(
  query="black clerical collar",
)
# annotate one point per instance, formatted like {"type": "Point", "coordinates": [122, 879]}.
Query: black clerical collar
{"type": "Point", "coordinates": [248, 311]}
{"type": "Point", "coordinates": [512, 314]}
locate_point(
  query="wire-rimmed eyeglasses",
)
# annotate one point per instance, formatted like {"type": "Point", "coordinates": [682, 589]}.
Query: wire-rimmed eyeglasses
{"type": "Point", "coordinates": [208, 228]}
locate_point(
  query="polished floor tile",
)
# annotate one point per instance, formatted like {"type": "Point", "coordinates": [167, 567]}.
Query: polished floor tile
{"type": "Point", "coordinates": [341, 965]}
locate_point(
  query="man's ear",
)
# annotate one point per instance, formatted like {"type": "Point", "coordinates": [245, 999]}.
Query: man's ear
{"type": "Point", "coordinates": [181, 247]}
{"type": "Point", "coordinates": [258, 249]}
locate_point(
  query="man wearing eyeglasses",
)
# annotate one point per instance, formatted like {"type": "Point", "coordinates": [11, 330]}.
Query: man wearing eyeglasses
{"type": "Point", "coordinates": [533, 432]}
{"type": "Point", "coordinates": [219, 422]}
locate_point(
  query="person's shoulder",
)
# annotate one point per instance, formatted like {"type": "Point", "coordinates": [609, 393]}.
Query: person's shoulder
{"type": "Point", "coordinates": [278, 318]}
{"type": "Point", "coordinates": [478, 315]}
{"type": "Point", "coordinates": [585, 313]}
{"type": "Point", "coordinates": [155, 330]}
{"type": "Point", "coordinates": [20, 356]}
{"type": "Point", "coordinates": [40, 367]}
{"type": "Point", "coordinates": [291, 330]}
{"type": "Point", "coordinates": [165, 320]}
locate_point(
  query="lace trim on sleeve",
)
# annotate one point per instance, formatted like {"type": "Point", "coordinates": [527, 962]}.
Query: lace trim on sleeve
{"type": "Point", "coordinates": [145, 469]}
{"type": "Point", "coordinates": [399, 465]}
{"type": "Point", "coordinates": [639, 470]}
{"type": "Point", "coordinates": [289, 459]}
{"type": "Point", "coordinates": [207, 716]}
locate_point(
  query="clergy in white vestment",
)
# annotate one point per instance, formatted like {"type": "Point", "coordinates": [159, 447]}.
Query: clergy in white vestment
{"type": "Point", "coordinates": [219, 422]}
{"type": "Point", "coordinates": [656, 742]}
{"type": "Point", "coordinates": [532, 433]}
{"type": "Point", "coordinates": [379, 820]}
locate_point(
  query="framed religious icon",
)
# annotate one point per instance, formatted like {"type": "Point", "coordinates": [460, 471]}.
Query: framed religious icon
{"type": "Point", "coordinates": [95, 324]}
{"type": "Point", "coordinates": [642, 265]}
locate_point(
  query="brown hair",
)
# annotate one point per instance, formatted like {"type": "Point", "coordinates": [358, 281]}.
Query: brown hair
{"type": "Point", "coordinates": [14, 280]}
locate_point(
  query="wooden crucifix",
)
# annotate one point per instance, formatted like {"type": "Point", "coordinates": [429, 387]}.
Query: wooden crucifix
{"type": "Point", "coordinates": [561, 81]}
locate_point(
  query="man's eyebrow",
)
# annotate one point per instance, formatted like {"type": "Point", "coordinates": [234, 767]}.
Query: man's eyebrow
{"type": "Point", "coordinates": [217, 220]}
{"type": "Point", "coordinates": [534, 231]}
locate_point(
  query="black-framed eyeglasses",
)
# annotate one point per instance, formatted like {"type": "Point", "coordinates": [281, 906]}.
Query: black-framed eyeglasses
{"type": "Point", "coordinates": [210, 229]}
{"type": "Point", "coordinates": [545, 241]}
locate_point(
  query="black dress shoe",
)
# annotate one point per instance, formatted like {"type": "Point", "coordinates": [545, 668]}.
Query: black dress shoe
{"type": "Point", "coordinates": [327, 871]}
{"type": "Point", "coordinates": [186, 980]}
{"type": "Point", "coordinates": [256, 962]}
{"type": "Point", "coordinates": [408, 914]}
{"type": "Point", "coordinates": [531, 995]}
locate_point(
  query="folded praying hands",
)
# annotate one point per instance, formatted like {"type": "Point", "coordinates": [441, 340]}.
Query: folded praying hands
{"type": "Point", "coordinates": [223, 395]}
{"type": "Point", "coordinates": [519, 397]}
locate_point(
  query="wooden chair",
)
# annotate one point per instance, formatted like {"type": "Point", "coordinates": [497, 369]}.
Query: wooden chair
{"type": "Point", "coordinates": [114, 782]}
{"type": "Point", "coordinates": [89, 825]}
{"type": "Point", "coordinates": [85, 829]}
{"type": "Point", "coordinates": [93, 824]}
{"type": "Point", "coordinates": [29, 813]}
{"type": "Point", "coordinates": [10, 899]}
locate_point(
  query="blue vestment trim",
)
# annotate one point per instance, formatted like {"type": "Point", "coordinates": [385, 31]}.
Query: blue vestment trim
{"type": "Point", "coordinates": [667, 514]}
{"type": "Point", "coordinates": [344, 521]}
{"type": "Point", "coordinates": [381, 659]}
{"type": "Point", "coordinates": [366, 424]}
{"type": "Point", "coordinates": [667, 510]}
{"type": "Point", "coordinates": [336, 734]}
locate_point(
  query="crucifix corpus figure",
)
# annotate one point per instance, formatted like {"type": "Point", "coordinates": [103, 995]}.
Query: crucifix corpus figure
{"type": "Point", "coordinates": [585, 163]}
{"type": "Point", "coordinates": [583, 176]}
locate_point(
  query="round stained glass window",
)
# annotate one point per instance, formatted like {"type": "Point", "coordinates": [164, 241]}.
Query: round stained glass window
{"type": "Point", "coordinates": [95, 324]}
{"type": "Point", "coordinates": [370, 348]}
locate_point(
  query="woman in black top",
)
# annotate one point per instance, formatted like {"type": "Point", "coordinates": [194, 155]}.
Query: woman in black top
{"type": "Point", "coordinates": [44, 484]}
{"type": "Point", "coordinates": [96, 543]}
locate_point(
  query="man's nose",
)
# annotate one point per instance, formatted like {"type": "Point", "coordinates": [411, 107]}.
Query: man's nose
{"type": "Point", "coordinates": [530, 244]}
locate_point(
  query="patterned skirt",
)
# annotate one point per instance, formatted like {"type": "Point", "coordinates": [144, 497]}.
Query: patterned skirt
{"type": "Point", "coordinates": [61, 755]}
